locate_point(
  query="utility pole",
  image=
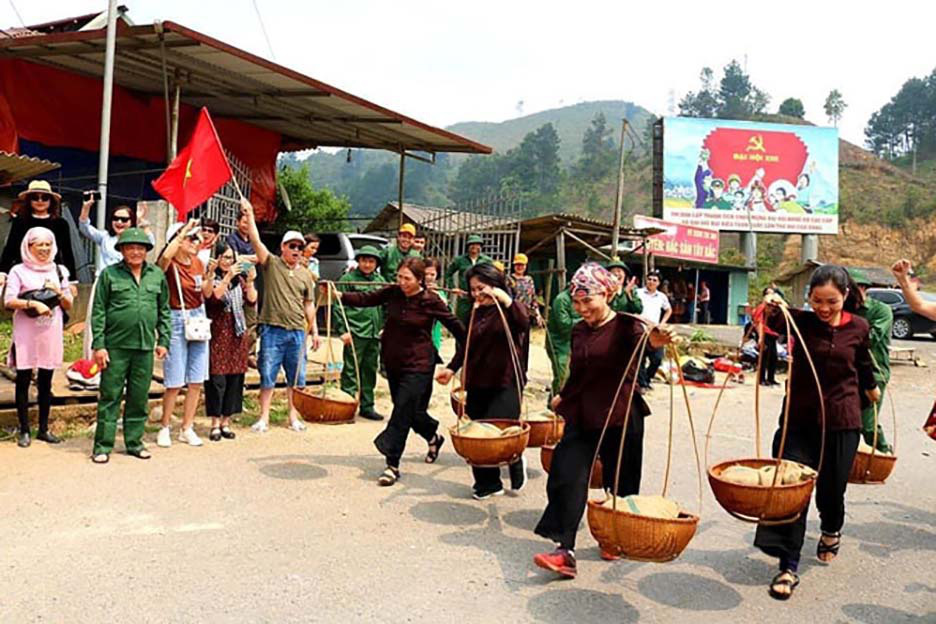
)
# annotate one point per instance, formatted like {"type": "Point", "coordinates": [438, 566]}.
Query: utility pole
{"type": "Point", "coordinates": [619, 200]}
{"type": "Point", "coordinates": [104, 151]}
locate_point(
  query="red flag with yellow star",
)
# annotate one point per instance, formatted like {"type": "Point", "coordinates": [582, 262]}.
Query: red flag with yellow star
{"type": "Point", "coordinates": [200, 169]}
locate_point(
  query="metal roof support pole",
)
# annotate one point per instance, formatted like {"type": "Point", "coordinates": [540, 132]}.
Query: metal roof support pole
{"type": "Point", "coordinates": [695, 298]}
{"type": "Point", "coordinates": [174, 122]}
{"type": "Point", "coordinates": [400, 187]}
{"type": "Point", "coordinates": [646, 260]}
{"type": "Point", "coordinates": [561, 258]}
{"type": "Point", "coordinates": [619, 199]}
{"type": "Point", "coordinates": [165, 77]}
{"type": "Point", "coordinates": [810, 250]}
{"type": "Point", "coordinates": [104, 152]}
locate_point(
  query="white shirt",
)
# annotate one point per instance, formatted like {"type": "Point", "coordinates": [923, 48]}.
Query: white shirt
{"type": "Point", "coordinates": [654, 304]}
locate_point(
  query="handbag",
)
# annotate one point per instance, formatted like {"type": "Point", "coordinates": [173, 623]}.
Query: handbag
{"type": "Point", "coordinates": [45, 296]}
{"type": "Point", "coordinates": [197, 329]}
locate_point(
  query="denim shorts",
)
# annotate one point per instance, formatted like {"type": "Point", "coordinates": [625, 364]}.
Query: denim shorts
{"type": "Point", "coordinates": [284, 348]}
{"type": "Point", "coordinates": [187, 362]}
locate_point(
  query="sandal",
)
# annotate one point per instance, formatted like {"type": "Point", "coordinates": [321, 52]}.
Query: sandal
{"type": "Point", "coordinates": [389, 476]}
{"type": "Point", "coordinates": [141, 454]}
{"type": "Point", "coordinates": [227, 434]}
{"type": "Point", "coordinates": [782, 585]}
{"type": "Point", "coordinates": [100, 458]}
{"type": "Point", "coordinates": [434, 447]}
{"type": "Point", "coordinates": [828, 548]}
{"type": "Point", "coordinates": [215, 435]}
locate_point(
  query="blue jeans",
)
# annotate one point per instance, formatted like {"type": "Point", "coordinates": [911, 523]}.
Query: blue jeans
{"type": "Point", "coordinates": [187, 362]}
{"type": "Point", "coordinates": [284, 348]}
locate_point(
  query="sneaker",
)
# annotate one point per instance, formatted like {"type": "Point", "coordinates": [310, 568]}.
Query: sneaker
{"type": "Point", "coordinates": [190, 437]}
{"type": "Point", "coordinates": [560, 561]}
{"type": "Point", "coordinates": [164, 438]}
{"type": "Point", "coordinates": [518, 474]}
{"type": "Point", "coordinates": [609, 556]}
{"type": "Point", "coordinates": [260, 426]}
{"type": "Point", "coordinates": [485, 495]}
{"type": "Point", "coordinates": [297, 425]}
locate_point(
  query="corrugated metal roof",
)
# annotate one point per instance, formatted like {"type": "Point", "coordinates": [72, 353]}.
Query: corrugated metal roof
{"type": "Point", "coordinates": [433, 218]}
{"type": "Point", "coordinates": [14, 167]}
{"type": "Point", "coordinates": [236, 84]}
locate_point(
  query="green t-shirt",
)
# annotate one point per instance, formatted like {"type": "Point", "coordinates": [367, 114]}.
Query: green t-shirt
{"type": "Point", "coordinates": [437, 326]}
{"type": "Point", "coordinates": [285, 291]}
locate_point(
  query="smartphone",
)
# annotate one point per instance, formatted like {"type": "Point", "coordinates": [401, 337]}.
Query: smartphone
{"type": "Point", "coordinates": [95, 195]}
{"type": "Point", "coordinates": [245, 267]}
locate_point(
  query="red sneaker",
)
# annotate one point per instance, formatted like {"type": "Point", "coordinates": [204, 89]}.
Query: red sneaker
{"type": "Point", "coordinates": [609, 556]}
{"type": "Point", "coordinates": [560, 561]}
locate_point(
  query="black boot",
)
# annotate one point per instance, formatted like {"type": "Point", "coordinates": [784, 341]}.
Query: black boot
{"type": "Point", "coordinates": [370, 415]}
{"type": "Point", "coordinates": [23, 440]}
{"type": "Point", "coordinates": [47, 437]}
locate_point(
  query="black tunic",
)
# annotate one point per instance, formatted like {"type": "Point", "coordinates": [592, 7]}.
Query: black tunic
{"type": "Point", "coordinates": [22, 224]}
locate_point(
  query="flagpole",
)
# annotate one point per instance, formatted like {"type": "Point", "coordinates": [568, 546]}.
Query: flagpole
{"type": "Point", "coordinates": [104, 151]}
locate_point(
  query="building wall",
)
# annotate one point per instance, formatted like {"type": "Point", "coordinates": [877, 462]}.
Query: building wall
{"type": "Point", "coordinates": [737, 296]}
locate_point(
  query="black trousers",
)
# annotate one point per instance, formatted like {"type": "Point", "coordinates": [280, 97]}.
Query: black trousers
{"type": "Point", "coordinates": [486, 404]}
{"type": "Point", "coordinates": [410, 393]}
{"type": "Point", "coordinates": [224, 395]}
{"type": "Point", "coordinates": [44, 388]}
{"type": "Point", "coordinates": [768, 370]}
{"type": "Point", "coordinates": [786, 540]}
{"type": "Point", "coordinates": [652, 360]}
{"type": "Point", "coordinates": [567, 486]}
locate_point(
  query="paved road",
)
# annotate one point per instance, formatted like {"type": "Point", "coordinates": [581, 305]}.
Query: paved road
{"type": "Point", "coordinates": [288, 527]}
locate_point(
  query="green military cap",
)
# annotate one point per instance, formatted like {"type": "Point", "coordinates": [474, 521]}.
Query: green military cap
{"type": "Point", "coordinates": [861, 278]}
{"type": "Point", "coordinates": [368, 250]}
{"type": "Point", "coordinates": [474, 239]}
{"type": "Point", "coordinates": [617, 264]}
{"type": "Point", "coordinates": [133, 235]}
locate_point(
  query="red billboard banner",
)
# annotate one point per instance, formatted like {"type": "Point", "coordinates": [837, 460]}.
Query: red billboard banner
{"type": "Point", "coordinates": [685, 242]}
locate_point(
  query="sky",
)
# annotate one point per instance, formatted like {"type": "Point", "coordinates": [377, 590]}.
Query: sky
{"type": "Point", "coordinates": [445, 62]}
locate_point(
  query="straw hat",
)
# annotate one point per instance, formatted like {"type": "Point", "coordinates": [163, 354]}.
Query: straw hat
{"type": "Point", "coordinates": [40, 186]}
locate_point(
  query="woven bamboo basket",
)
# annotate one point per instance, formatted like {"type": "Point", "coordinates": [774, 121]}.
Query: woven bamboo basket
{"type": "Point", "coordinates": [595, 482]}
{"type": "Point", "coordinates": [318, 409]}
{"type": "Point", "coordinates": [756, 502]}
{"type": "Point", "coordinates": [543, 432]}
{"type": "Point", "coordinates": [640, 538]}
{"type": "Point", "coordinates": [500, 451]}
{"type": "Point", "coordinates": [868, 469]}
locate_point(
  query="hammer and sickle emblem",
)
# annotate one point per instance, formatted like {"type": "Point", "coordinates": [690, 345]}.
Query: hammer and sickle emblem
{"type": "Point", "coordinates": [755, 144]}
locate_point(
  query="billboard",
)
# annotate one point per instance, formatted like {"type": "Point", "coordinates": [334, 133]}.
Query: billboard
{"type": "Point", "coordinates": [680, 241]}
{"type": "Point", "coordinates": [739, 175]}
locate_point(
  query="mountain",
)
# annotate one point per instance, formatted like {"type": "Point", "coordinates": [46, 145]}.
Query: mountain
{"type": "Point", "coordinates": [569, 121]}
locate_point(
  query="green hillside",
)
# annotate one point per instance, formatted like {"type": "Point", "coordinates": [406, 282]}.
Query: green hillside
{"type": "Point", "coordinates": [570, 123]}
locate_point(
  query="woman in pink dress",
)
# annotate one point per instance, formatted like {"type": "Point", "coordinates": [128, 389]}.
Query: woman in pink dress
{"type": "Point", "coordinates": [37, 326]}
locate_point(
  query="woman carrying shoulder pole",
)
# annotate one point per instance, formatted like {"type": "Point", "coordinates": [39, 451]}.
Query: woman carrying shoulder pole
{"type": "Point", "coordinates": [839, 343]}
{"type": "Point", "coordinates": [494, 375]}
{"type": "Point", "coordinates": [410, 358]}
{"type": "Point", "coordinates": [603, 344]}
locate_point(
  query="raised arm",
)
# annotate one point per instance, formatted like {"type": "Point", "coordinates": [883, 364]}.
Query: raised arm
{"type": "Point", "coordinates": [173, 247]}
{"type": "Point", "coordinates": [84, 224]}
{"type": "Point", "coordinates": [901, 270]}
{"type": "Point", "coordinates": [254, 234]}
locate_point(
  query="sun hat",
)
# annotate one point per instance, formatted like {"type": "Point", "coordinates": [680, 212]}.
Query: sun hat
{"type": "Point", "coordinates": [39, 186]}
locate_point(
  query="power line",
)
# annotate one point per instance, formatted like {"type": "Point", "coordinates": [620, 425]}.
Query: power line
{"type": "Point", "coordinates": [18, 16]}
{"type": "Point", "coordinates": [262, 29]}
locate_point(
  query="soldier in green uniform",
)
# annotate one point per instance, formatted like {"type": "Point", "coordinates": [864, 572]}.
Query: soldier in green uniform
{"type": "Point", "coordinates": [625, 300]}
{"type": "Point", "coordinates": [130, 321]}
{"type": "Point", "coordinates": [392, 255]}
{"type": "Point", "coordinates": [460, 265]}
{"type": "Point", "coordinates": [881, 319]}
{"type": "Point", "coordinates": [364, 326]}
{"type": "Point", "coordinates": [562, 317]}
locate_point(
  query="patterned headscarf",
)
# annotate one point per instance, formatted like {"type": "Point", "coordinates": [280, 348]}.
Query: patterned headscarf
{"type": "Point", "coordinates": [30, 260]}
{"type": "Point", "coordinates": [592, 279]}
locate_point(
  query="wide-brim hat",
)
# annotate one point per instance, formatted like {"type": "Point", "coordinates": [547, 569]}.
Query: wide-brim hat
{"type": "Point", "coordinates": [133, 236]}
{"type": "Point", "coordinates": [39, 186]}
{"type": "Point", "coordinates": [474, 239]}
{"type": "Point", "coordinates": [369, 251]}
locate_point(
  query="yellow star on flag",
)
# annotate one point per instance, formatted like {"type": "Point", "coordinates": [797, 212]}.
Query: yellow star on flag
{"type": "Point", "coordinates": [188, 172]}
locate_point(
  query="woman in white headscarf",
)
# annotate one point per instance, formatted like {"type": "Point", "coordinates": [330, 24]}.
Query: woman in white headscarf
{"type": "Point", "coordinates": [37, 291]}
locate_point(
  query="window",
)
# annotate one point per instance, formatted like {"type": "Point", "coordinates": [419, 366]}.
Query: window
{"type": "Point", "coordinates": [886, 296]}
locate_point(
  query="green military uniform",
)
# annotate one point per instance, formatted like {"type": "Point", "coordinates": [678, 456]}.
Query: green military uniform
{"type": "Point", "coordinates": [562, 317]}
{"type": "Point", "coordinates": [130, 320]}
{"type": "Point", "coordinates": [627, 302]}
{"type": "Point", "coordinates": [881, 319]}
{"type": "Point", "coordinates": [364, 324]}
{"type": "Point", "coordinates": [391, 258]}
{"type": "Point", "coordinates": [460, 265]}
